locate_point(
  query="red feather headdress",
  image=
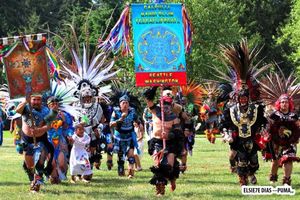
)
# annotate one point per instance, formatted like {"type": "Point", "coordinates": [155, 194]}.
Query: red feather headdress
{"type": "Point", "coordinates": [241, 70]}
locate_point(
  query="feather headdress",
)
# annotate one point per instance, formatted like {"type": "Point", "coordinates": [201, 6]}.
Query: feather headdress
{"type": "Point", "coordinates": [276, 85]}
{"type": "Point", "coordinates": [63, 94]}
{"type": "Point", "coordinates": [120, 91]}
{"type": "Point", "coordinates": [241, 70]}
{"type": "Point", "coordinates": [192, 92]}
{"type": "Point", "coordinates": [94, 71]}
{"type": "Point", "coordinates": [4, 96]}
{"type": "Point", "coordinates": [8, 105]}
{"type": "Point", "coordinates": [210, 88]}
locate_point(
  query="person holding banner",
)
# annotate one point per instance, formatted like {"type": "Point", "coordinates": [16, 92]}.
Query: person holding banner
{"type": "Point", "coordinates": [166, 143]}
{"type": "Point", "coordinates": [35, 120]}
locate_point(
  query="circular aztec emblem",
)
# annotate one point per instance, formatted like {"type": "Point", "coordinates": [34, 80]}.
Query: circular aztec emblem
{"type": "Point", "coordinates": [159, 48]}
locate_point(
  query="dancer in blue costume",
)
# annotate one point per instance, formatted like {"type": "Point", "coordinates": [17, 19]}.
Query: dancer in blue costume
{"type": "Point", "coordinates": [35, 120]}
{"type": "Point", "coordinates": [61, 130]}
{"type": "Point", "coordinates": [122, 120]}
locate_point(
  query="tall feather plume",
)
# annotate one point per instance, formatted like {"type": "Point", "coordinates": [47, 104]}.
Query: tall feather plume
{"type": "Point", "coordinates": [64, 93]}
{"type": "Point", "coordinates": [276, 84]}
{"type": "Point", "coordinates": [210, 87]}
{"type": "Point", "coordinates": [239, 61]}
{"type": "Point", "coordinates": [96, 70]}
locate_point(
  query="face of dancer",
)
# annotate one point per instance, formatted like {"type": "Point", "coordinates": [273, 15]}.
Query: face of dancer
{"type": "Point", "coordinates": [79, 130]}
{"type": "Point", "coordinates": [244, 100]}
{"type": "Point", "coordinates": [53, 106]}
{"type": "Point", "coordinates": [284, 105]}
{"type": "Point", "coordinates": [124, 105]}
{"type": "Point", "coordinates": [36, 102]}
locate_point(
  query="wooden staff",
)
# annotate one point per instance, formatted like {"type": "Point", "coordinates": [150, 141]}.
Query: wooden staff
{"type": "Point", "coordinates": [33, 125]}
{"type": "Point", "coordinates": [162, 118]}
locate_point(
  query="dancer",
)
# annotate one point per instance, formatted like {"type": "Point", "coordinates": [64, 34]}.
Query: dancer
{"type": "Point", "coordinates": [211, 110]}
{"type": "Point", "coordinates": [87, 73]}
{"type": "Point", "coordinates": [79, 158]}
{"type": "Point", "coordinates": [35, 124]}
{"type": "Point", "coordinates": [244, 120]}
{"type": "Point", "coordinates": [122, 120]}
{"type": "Point", "coordinates": [61, 129]}
{"type": "Point", "coordinates": [280, 91]}
{"type": "Point", "coordinates": [189, 98]}
{"type": "Point", "coordinates": [4, 96]}
{"type": "Point", "coordinates": [107, 133]}
{"type": "Point", "coordinates": [165, 154]}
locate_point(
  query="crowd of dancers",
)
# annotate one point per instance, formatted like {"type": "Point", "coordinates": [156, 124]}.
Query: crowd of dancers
{"type": "Point", "coordinates": [68, 130]}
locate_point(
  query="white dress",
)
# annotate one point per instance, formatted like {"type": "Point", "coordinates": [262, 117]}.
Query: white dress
{"type": "Point", "coordinates": [79, 158]}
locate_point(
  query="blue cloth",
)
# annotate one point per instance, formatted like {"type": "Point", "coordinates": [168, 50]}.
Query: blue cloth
{"type": "Point", "coordinates": [37, 115]}
{"type": "Point", "coordinates": [60, 132]}
{"type": "Point", "coordinates": [124, 135]}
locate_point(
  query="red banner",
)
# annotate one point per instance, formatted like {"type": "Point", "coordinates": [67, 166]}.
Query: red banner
{"type": "Point", "coordinates": [27, 72]}
{"type": "Point", "coordinates": [160, 78]}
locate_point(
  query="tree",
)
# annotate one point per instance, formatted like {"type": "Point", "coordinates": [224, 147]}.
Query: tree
{"type": "Point", "coordinates": [12, 17]}
{"type": "Point", "coordinates": [260, 21]}
{"type": "Point", "coordinates": [291, 36]}
{"type": "Point", "coordinates": [214, 23]}
{"type": "Point", "coordinates": [33, 24]}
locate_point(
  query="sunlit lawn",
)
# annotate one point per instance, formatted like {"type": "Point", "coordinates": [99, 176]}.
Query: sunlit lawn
{"type": "Point", "coordinates": [207, 177]}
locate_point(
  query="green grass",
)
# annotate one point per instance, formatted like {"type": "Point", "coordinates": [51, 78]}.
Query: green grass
{"type": "Point", "coordinates": [207, 177]}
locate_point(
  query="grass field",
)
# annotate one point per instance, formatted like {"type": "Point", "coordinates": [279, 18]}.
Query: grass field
{"type": "Point", "coordinates": [207, 178]}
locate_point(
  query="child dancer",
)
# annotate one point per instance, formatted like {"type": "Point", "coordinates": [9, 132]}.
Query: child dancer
{"type": "Point", "coordinates": [79, 159]}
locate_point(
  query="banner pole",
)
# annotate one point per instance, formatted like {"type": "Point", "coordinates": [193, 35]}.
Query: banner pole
{"type": "Point", "coordinates": [162, 117]}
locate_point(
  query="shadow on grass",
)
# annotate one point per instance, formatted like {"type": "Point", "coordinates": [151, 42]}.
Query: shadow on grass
{"type": "Point", "coordinates": [5, 183]}
{"type": "Point", "coordinates": [121, 181]}
{"type": "Point", "coordinates": [206, 182]}
{"type": "Point", "coordinates": [5, 146]}
{"type": "Point", "coordinates": [94, 194]}
{"type": "Point", "coordinates": [215, 194]}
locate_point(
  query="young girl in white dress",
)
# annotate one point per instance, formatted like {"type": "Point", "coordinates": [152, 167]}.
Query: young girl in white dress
{"type": "Point", "coordinates": [79, 158]}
